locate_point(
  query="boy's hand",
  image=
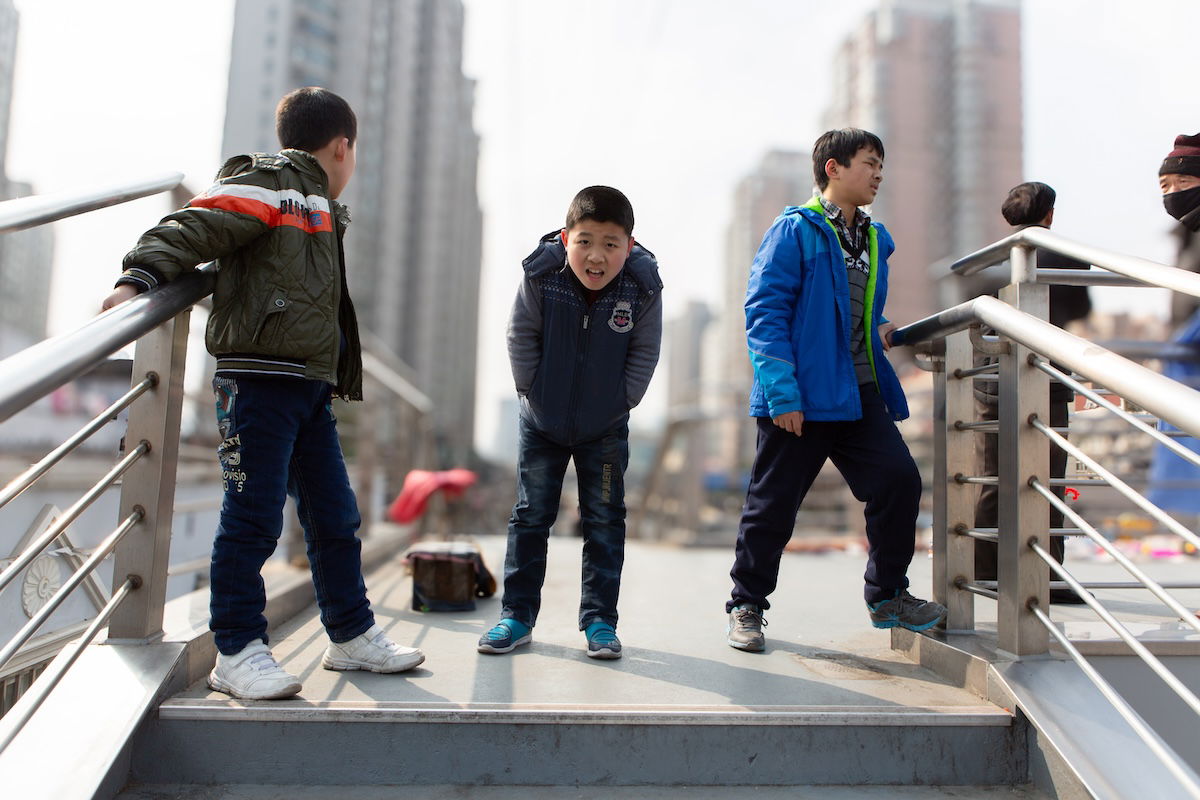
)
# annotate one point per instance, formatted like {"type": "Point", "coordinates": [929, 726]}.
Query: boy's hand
{"type": "Point", "coordinates": [791, 422]}
{"type": "Point", "coordinates": [885, 334]}
{"type": "Point", "coordinates": [120, 295]}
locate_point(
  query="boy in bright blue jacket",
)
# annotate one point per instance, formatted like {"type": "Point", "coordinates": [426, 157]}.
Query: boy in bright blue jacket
{"type": "Point", "coordinates": [823, 390]}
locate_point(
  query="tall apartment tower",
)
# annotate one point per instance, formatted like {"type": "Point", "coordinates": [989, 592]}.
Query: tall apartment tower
{"type": "Point", "coordinates": [414, 247]}
{"type": "Point", "coordinates": [940, 82]}
{"type": "Point", "coordinates": [25, 256]}
{"type": "Point", "coordinates": [781, 179]}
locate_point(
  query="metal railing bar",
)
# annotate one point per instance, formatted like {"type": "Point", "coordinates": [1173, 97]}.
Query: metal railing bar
{"type": "Point", "coordinates": [1147, 582]}
{"type": "Point", "coordinates": [1158, 394]}
{"type": "Point", "coordinates": [1086, 277]}
{"type": "Point", "coordinates": [54, 531]}
{"type": "Point", "coordinates": [33, 699]}
{"type": "Point", "coordinates": [975, 588]}
{"type": "Point", "coordinates": [29, 212]}
{"type": "Point", "coordinates": [31, 475]}
{"type": "Point", "coordinates": [1135, 585]}
{"type": "Point", "coordinates": [1164, 753]}
{"type": "Point", "coordinates": [1183, 692]}
{"type": "Point", "coordinates": [984, 369]}
{"type": "Point", "coordinates": [981, 480]}
{"type": "Point", "coordinates": [990, 534]}
{"type": "Point", "coordinates": [1078, 482]}
{"type": "Point", "coordinates": [990, 426]}
{"type": "Point", "coordinates": [1169, 522]}
{"type": "Point", "coordinates": [38, 370]}
{"type": "Point", "coordinates": [982, 534]}
{"type": "Point", "coordinates": [101, 552]}
{"type": "Point", "coordinates": [1174, 446]}
{"type": "Point", "coordinates": [1149, 272]}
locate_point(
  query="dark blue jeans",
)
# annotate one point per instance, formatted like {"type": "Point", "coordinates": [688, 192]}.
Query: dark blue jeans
{"type": "Point", "coordinates": [874, 460]}
{"type": "Point", "coordinates": [600, 468]}
{"type": "Point", "coordinates": [279, 437]}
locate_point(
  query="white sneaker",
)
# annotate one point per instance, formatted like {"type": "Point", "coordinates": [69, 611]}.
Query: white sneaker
{"type": "Point", "coordinates": [252, 674]}
{"type": "Point", "coordinates": [372, 651]}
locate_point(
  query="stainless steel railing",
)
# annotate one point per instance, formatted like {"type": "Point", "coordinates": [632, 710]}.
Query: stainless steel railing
{"type": "Point", "coordinates": [1023, 345]}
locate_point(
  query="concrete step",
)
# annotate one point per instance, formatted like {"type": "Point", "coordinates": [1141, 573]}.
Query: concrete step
{"type": "Point", "coordinates": [453, 792]}
{"type": "Point", "coordinates": [829, 702]}
{"type": "Point", "coordinates": [382, 742]}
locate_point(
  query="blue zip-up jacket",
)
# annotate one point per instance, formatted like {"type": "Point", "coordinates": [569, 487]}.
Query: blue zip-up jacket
{"type": "Point", "coordinates": [579, 370]}
{"type": "Point", "coordinates": [798, 321]}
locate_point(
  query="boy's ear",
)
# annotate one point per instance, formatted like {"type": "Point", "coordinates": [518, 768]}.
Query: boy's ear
{"type": "Point", "coordinates": [341, 149]}
{"type": "Point", "coordinates": [831, 168]}
{"type": "Point", "coordinates": [631, 243]}
{"type": "Point", "coordinates": [563, 235]}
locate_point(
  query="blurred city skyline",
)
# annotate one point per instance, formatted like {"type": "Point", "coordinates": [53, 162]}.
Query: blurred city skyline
{"type": "Point", "coordinates": [672, 102]}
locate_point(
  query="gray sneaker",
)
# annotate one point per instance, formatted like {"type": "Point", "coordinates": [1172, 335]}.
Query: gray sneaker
{"type": "Point", "coordinates": [906, 611]}
{"type": "Point", "coordinates": [745, 628]}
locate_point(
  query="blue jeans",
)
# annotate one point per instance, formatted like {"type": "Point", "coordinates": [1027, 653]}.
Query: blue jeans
{"type": "Point", "coordinates": [874, 460]}
{"type": "Point", "coordinates": [279, 438]}
{"type": "Point", "coordinates": [600, 467]}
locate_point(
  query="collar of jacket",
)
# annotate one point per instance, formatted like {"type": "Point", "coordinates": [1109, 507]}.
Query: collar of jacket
{"type": "Point", "coordinates": [551, 256]}
{"type": "Point", "coordinates": [307, 165]}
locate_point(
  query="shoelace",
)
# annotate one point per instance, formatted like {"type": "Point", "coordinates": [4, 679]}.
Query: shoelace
{"type": "Point", "coordinates": [497, 633]}
{"type": "Point", "coordinates": [745, 617]}
{"type": "Point", "coordinates": [604, 636]}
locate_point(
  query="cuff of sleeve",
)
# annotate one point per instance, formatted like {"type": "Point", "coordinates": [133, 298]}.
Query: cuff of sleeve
{"type": "Point", "coordinates": [141, 279]}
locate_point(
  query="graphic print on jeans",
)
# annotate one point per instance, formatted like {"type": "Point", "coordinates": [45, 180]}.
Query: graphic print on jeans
{"type": "Point", "coordinates": [230, 450]}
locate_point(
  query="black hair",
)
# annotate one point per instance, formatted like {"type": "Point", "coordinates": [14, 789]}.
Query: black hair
{"type": "Point", "coordinates": [1028, 203]}
{"type": "Point", "coordinates": [310, 118]}
{"type": "Point", "coordinates": [601, 204]}
{"type": "Point", "coordinates": [841, 145]}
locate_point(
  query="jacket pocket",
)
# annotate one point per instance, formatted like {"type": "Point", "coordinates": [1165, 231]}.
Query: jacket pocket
{"type": "Point", "coordinates": [277, 304]}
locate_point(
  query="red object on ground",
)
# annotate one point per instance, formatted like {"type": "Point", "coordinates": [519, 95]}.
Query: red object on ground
{"type": "Point", "coordinates": [419, 486]}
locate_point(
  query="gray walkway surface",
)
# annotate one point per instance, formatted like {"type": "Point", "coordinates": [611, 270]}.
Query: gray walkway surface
{"type": "Point", "coordinates": [822, 650]}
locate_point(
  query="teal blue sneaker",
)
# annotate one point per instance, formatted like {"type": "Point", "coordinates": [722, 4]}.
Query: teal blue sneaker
{"type": "Point", "coordinates": [504, 636]}
{"type": "Point", "coordinates": [906, 611]}
{"type": "Point", "coordinates": [602, 641]}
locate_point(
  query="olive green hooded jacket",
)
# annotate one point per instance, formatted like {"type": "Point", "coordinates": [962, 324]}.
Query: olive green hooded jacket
{"type": "Point", "coordinates": [281, 304]}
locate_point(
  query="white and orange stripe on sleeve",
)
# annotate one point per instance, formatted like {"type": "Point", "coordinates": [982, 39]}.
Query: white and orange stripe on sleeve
{"type": "Point", "coordinates": [274, 207]}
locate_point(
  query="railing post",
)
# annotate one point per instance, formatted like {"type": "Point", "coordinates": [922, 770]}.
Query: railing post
{"type": "Point", "coordinates": [150, 483]}
{"type": "Point", "coordinates": [1023, 454]}
{"type": "Point", "coordinates": [958, 499]}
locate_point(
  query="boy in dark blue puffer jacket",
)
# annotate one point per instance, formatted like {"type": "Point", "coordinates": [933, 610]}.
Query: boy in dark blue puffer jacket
{"type": "Point", "coordinates": [583, 340]}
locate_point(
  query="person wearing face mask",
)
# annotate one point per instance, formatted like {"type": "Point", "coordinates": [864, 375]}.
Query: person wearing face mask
{"type": "Point", "coordinates": [1174, 482]}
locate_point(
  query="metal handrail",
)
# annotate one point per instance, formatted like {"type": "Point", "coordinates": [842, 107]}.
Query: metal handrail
{"type": "Point", "coordinates": [29, 212]}
{"type": "Point", "coordinates": [1169, 400]}
{"type": "Point", "coordinates": [32, 700]}
{"type": "Point", "coordinates": [1162, 517]}
{"type": "Point", "coordinates": [38, 370]}
{"type": "Point", "coordinates": [71, 514]}
{"type": "Point", "coordinates": [99, 554]}
{"type": "Point", "coordinates": [1158, 436]}
{"type": "Point", "coordinates": [1143, 270]}
{"type": "Point", "coordinates": [1157, 589]}
{"type": "Point", "coordinates": [30, 476]}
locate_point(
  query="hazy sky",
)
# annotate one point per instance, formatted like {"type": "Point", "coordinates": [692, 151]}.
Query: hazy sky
{"type": "Point", "coordinates": [670, 101]}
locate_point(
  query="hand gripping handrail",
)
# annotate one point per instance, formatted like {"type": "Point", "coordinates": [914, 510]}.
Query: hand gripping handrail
{"type": "Point", "coordinates": [36, 371]}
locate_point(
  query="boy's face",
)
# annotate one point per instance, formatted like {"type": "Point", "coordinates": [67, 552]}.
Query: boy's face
{"type": "Point", "coordinates": [1177, 183]}
{"type": "Point", "coordinates": [596, 251]}
{"type": "Point", "coordinates": [858, 183]}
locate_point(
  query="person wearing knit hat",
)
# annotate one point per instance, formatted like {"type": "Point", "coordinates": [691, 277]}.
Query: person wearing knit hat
{"type": "Point", "coordinates": [1179, 179]}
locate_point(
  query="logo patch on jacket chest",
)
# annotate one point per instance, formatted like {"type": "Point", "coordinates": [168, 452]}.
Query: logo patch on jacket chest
{"type": "Point", "coordinates": [621, 320]}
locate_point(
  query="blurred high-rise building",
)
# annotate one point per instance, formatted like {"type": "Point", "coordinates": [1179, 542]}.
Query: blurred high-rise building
{"type": "Point", "coordinates": [414, 247]}
{"type": "Point", "coordinates": [781, 179]}
{"type": "Point", "coordinates": [940, 82]}
{"type": "Point", "coordinates": [25, 256]}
